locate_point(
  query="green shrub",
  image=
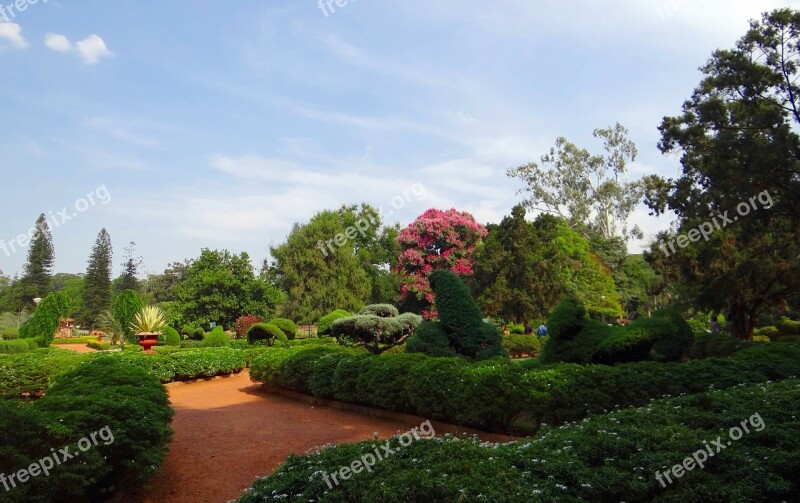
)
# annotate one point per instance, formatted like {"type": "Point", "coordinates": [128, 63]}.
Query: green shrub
{"type": "Point", "coordinates": [288, 326]}
{"type": "Point", "coordinates": [193, 332]}
{"type": "Point", "coordinates": [430, 339]}
{"type": "Point", "coordinates": [326, 322]}
{"type": "Point", "coordinates": [43, 325]}
{"type": "Point", "coordinates": [516, 328]}
{"type": "Point", "coordinates": [710, 345]}
{"type": "Point", "coordinates": [264, 367]}
{"type": "Point", "coordinates": [771, 332]}
{"type": "Point", "coordinates": [28, 374]}
{"type": "Point", "coordinates": [295, 371]}
{"type": "Point", "coordinates": [217, 338]}
{"type": "Point", "coordinates": [187, 364]}
{"type": "Point", "coordinates": [564, 324]}
{"type": "Point", "coordinates": [169, 337]}
{"type": "Point", "coordinates": [377, 334]}
{"type": "Point", "coordinates": [613, 457]}
{"type": "Point", "coordinates": [10, 333]}
{"type": "Point", "coordinates": [264, 333]}
{"type": "Point", "coordinates": [124, 309]}
{"type": "Point", "coordinates": [101, 346]}
{"type": "Point", "coordinates": [793, 339]}
{"type": "Point", "coordinates": [519, 345]}
{"type": "Point", "coordinates": [788, 327]}
{"type": "Point", "coordinates": [381, 310]}
{"type": "Point", "coordinates": [17, 346]}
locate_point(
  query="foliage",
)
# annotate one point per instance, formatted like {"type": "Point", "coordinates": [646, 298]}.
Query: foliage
{"type": "Point", "coordinates": [100, 346]}
{"type": "Point", "coordinates": [738, 140]}
{"type": "Point", "coordinates": [377, 328]}
{"type": "Point", "coordinates": [521, 345]}
{"type": "Point", "coordinates": [97, 282]}
{"type": "Point", "coordinates": [349, 253]}
{"type": "Point", "coordinates": [217, 338]}
{"type": "Point", "coordinates": [326, 322]}
{"type": "Point", "coordinates": [436, 240]}
{"type": "Point", "coordinates": [612, 457]}
{"type": "Point", "coordinates": [27, 375]}
{"type": "Point", "coordinates": [430, 339]}
{"type": "Point", "coordinates": [126, 305]}
{"type": "Point", "coordinates": [288, 326]}
{"type": "Point", "coordinates": [130, 265]}
{"type": "Point", "coordinates": [17, 346]}
{"type": "Point", "coordinates": [149, 319]}
{"type": "Point", "coordinates": [461, 320]}
{"type": "Point", "coordinates": [36, 275]}
{"type": "Point", "coordinates": [219, 286]}
{"type": "Point", "coordinates": [243, 324]}
{"type": "Point", "coordinates": [786, 327]}
{"type": "Point", "coordinates": [44, 322]}
{"type": "Point", "coordinates": [574, 338]}
{"type": "Point", "coordinates": [590, 191]}
{"type": "Point", "coordinates": [169, 337]}
{"type": "Point", "coordinates": [265, 333]}
{"type": "Point", "coordinates": [714, 345]}
{"type": "Point", "coordinates": [187, 364]}
{"type": "Point", "coordinates": [9, 333]}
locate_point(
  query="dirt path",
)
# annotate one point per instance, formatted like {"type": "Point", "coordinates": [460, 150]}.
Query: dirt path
{"type": "Point", "coordinates": [228, 432]}
{"type": "Point", "coordinates": [78, 348]}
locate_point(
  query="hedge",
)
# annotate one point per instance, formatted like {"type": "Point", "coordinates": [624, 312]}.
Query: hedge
{"type": "Point", "coordinates": [17, 346]}
{"type": "Point", "coordinates": [188, 364]}
{"type": "Point", "coordinates": [612, 457]}
{"type": "Point", "coordinates": [288, 327]}
{"type": "Point", "coordinates": [326, 322]}
{"type": "Point", "coordinates": [127, 405]}
{"type": "Point", "coordinates": [498, 395]}
{"type": "Point", "coordinates": [265, 333]}
{"type": "Point", "coordinates": [27, 375]}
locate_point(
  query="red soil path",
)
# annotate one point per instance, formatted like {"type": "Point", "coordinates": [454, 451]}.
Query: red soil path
{"type": "Point", "coordinates": [228, 431]}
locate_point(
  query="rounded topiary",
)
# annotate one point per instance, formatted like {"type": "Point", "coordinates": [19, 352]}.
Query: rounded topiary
{"type": "Point", "coordinates": [288, 326]}
{"type": "Point", "coordinates": [216, 338]}
{"type": "Point", "coordinates": [265, 333]}
{"type": "Point", "coordinates": [169, 337]}
{"type": "Point", "coordinates": [382, 310]}
{"type": "Point", "coordinates": [10, 333]}
{"type": "Point", "coordinates": [430, 339]}
{"type": "Point", "coordinates": [326, 322]}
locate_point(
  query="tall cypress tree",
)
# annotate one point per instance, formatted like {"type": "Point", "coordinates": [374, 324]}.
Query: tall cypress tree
{"type": "Point", "coordinates": [131, 264]}
{"type": "Point", "coordinates": [97, 283]}
{"type": "Point", "coordinates": [35, 281]}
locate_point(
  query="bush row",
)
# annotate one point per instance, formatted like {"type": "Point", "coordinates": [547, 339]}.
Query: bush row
{"type": "Point", "coordinates": [125, 407]}
{"type": "Point", "coordinates": [188, 364]}
{"type": "Point", "coordinates": [496, 394]}
{"type": "Point", "coordinates": [613, 457]}
{"type": "Point", "coordinates": [17, 346]}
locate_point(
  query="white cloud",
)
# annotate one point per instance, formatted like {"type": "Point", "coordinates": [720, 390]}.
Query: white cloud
{"type": "Point", "coordinates": [92, 48]}
{"type": "Point", "coordinates": [57, 42]}
{"type": "Point", "coordinates": [12, 33]}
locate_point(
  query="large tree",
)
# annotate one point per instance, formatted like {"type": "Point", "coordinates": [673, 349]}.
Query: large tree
{"type": "Point", "coordinates": [590, 191]}
{"type": "Point", "coordinates": [437, 239]}
{"type": "Point", "coordinates": [97, 281]}
{"type": "Point", "coordinates": [219, 287]}
{"type": "Point", "coordinates": [35, 281]}
{"type": "Point", "coordinates": [130, 268]}
{"type": "Point", "coordinates": [738, 141]}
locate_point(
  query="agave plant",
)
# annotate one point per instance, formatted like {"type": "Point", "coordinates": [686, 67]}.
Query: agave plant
{"type": "Point", "coordinates": [149, 320]}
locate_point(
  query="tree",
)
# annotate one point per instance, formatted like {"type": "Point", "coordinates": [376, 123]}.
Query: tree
{"type": "Point", "coordinates": [161, 287]}
{"type": "Point", "coordinates": [219, 287]}
{"type": "Point", "coordinates": [377, 328]}
{"type": "Point", "coordinates": [590, 191]}
{"type": "Point", "coordinates": [525, 268]}
{"type": "Point", "coordinates": [97, 282]}
{"type": "Point", "coordinates": [72, 285]}
{"type": "Point", "coordinates": [436, 240]}
{"type": "Point", "coordinates": [35, 281]}
{"type": "Point", "coordinates": [738, 141]}
{"type": "Point", "coordinates": [338, 260]}
{"type": "Point", "coordinates": [125, 307]}
{"type": "Point", "coordinates": [637, 284]}
{"type": "Point", "coordinates": [131, 265]}
{"type": "Point", "coordinates": [44, 323]}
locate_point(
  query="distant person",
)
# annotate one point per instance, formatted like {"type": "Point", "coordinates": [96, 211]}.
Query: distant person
{"type": "Point", "coordinates": [505, 330]}
{"type": "Point", "coordinates": [715, 327]}
{"type": "Point", "coordinates": [542, 330]}
{"type": "Point", "coordinates": [528, 329]}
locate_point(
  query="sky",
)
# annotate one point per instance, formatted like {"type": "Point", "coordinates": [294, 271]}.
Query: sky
{"type": "Point", "coordinates": [209, 124]}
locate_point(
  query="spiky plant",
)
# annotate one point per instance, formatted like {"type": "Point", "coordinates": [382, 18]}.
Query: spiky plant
{"type": "Point", "coordinates": [110, 325]}
{"type": "Point", "coordinates": [149, 320]}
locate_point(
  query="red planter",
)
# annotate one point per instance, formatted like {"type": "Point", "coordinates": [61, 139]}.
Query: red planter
{"type": "Point", "coordinates": [148, 340]}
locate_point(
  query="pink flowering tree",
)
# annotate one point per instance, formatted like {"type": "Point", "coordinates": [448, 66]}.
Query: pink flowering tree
{"type": "Point", "coordinates": [436, 240]}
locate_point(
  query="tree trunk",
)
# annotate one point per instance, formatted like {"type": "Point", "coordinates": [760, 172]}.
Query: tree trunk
{"type": "Point", "coordinates": [741, 323]}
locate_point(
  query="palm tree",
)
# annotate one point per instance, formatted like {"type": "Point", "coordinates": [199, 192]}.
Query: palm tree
{"type": "Point", "coordinates": [109, 324]}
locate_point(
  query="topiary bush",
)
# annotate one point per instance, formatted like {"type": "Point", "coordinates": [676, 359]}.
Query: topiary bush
{"type": "Point", "coordinates": [169, 337]}
{"type": "Point", "coordinates": [326, 322]}
{"type": "Point", "coordinates": [521, 345]}
{"type": "Point", "coordinates": [461, 320]}
{"type": "Point", "coordinates": [709, 345]}
{"type": "Point", "coordinates": [264, 333]}
{"type": "Point", "coordinates": [17, 346]}
{"type": "Point", "coordinates": [787, 327]}
{"type": "Point", "coordinates": [217, 338]}
{"type": "Point", "coordinates": [377, 334]}
{"type": "Point", "coordinates": [288, 326]}
{"type": "Point", "coordinates": [10, 333]}
{"type": "Point", "coordinates": [382, 310]}
{"type": "Point", "coordinates": [42, 326]}
{"type": "Point", "coordinates": [243, 324]}
{"type": "Point", "coordinates": [430, 339]}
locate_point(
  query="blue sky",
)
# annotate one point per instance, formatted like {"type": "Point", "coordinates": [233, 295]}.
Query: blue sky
{"type": "Point", "coordinates": [219, 124]}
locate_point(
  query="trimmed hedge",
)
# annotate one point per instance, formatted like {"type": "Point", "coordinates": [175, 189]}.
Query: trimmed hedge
{"type": "Point", "coordinates": [17, 346]}
{"type": "Point", "coordinates": [27, 375]}
{"type": "Point", "coordinates": [10, 333]}
{"type": "Point", "coordinates": [127, 405]}
{"type": "Point", "coordinates": [520, 345]}
{"type": "Point", "coordinates": [326, 322]}
{"type": "Point", "coordinates": [288, 327]}
{"type": "Point", "coordinates": [265, 333]}
{"type": "Point", "coordinates": [502, 396]}
{"type": "Point", "coordinates": [217, 338]}
{"type": "Point", "coordinates": [613, 457]}
{"type": "Point", "coordinates": [169, 337]}
{"type": "Point", "coordinates": [188, 364]}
